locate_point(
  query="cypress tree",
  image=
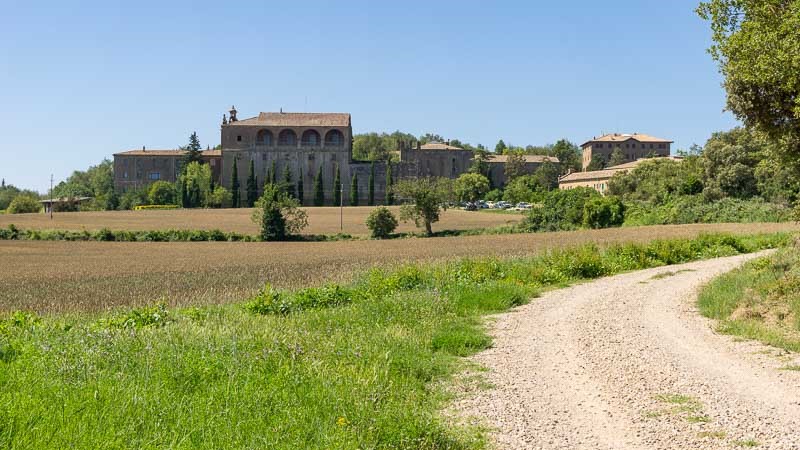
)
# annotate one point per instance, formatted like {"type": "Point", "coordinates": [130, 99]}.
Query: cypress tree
{"type": "Point", "coordinates": [371, 198]}
{"type": "Point", "coordinates": [354, 191]}
{"type": "Point", "coordinates": [300, 193]}
{"type": "Point", "coordinates": [389, 183]}
{"type": "Point", "coordinates": [274, 178]}
{"type": "Point", "coordinates": [182, 189]}
{"type": "Point", "coordinates": [337, 187]}
{"type": "Point", "coordinates": [235, 184]}
{"type": "Point", "coordinates": [252, 185]}
{"type": "Point", "coordinates": [287, 180]}
{"type": "Point", "coordinates": [319, 193]}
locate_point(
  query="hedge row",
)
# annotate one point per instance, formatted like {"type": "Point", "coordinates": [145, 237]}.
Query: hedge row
{"type": "Point", "coordinates": [14, 233]}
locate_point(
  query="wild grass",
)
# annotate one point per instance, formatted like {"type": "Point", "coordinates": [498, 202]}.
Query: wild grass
{"type": "Point", "coordinates": [759, 301]}
{"type": "Point", "coordinates": [355, 365]}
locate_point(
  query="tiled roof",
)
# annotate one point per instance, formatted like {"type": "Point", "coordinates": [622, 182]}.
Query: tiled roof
{"type": "Point", "coordinates": [175, 153]}
{"type": "Point", "coordinates": [609, 172]}
{"type": "Point", "coordinates": [528, 158]}
{"type": "Point", "coordinates": [283, 119]}
{"type": "Point", "coordinates": [617, 137]}
{"type": "Point", "coordinates": [439, 146]}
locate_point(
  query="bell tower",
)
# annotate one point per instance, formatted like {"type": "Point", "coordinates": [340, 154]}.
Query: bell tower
{"type": "Point", "coordinates": [232, 113]}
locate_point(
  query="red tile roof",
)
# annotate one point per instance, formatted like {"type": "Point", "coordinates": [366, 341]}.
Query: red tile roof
{"type": "Point", "coordinates": [284, 119]}
{"type": "Point", "coordinates": [617, 137]}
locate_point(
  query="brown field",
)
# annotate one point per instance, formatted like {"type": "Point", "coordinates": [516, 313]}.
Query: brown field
{"type": "Point", "coordinates": [61, 277]}
{"type": "Point", "coordinates": [323, 220]}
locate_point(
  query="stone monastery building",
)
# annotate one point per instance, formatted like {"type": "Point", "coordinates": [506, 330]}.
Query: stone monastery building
{"type": "Point", "coordinates": [304, 143]}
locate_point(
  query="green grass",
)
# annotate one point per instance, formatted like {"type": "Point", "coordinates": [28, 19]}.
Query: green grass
{"type": "Point", "coordinates": [359, 366]}
{"type": "Point", "coordinates": [747, 443]}
{"type": "Point", "coordinates": [760, 301]}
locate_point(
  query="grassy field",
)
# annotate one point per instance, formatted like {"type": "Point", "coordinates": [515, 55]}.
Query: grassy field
{"type": "Point", "coordinates": [360, 365]}
{"type": "Point", "coordinates": [760, 301]}
{"type": "Point", "coordinates": [322, 220]}
{"type": "Point", "coordinates": [58, 277]}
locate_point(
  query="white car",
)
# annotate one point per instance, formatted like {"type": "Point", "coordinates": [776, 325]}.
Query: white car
{"type": "Point", "coordinates": [522, 206]}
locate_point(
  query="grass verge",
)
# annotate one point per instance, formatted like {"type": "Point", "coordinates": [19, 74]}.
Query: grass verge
{"type": "Point", "coordinates": [339, 366]}
{"type": "Point", "coordinates": [759, 301]}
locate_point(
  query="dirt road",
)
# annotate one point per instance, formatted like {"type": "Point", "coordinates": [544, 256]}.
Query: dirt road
{"type": "Point", "coordinates": [627, 362]}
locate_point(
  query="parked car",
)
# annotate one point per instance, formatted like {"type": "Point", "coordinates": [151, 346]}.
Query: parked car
{"type": "Point", "coordinates": [522, 206]}
{"type": "Point", "coordinates": [469, 206]}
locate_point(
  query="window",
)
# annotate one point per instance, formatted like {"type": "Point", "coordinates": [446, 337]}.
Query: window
{"type": "Point", "coordinates": [155, 175]}
{"type": "Point", "coordinates": [125, 174]}
{"type": "Point", "coordinates": [310, 138]}
{"type": "Point", "coordinates": [287, 137]}
{"type": "Point", "coordinates": [239, 138]}
{"type": "Point", "coordinates": [334, 138]}
{"type": "Point", "coordinates": [264, 137]}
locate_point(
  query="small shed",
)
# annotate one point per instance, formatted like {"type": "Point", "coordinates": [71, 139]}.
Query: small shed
{"type": "Point", "coordinates": [56, 202]}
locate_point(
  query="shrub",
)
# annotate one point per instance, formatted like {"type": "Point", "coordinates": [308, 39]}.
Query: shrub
{"type": "Point", "coordinates": [24, 204]}
{"type": "Point", "coordinates": [603, 212]}
{"type": "Point", "coordinates": [381, 222]}
{"type": "Point", "coordinates": [154, 316]}
{"type": "Point", "coordinates": [161, 193]}
{"type": "Point", "coordinates": [560, 210]}
{"type": "Point", "coordinates": [278, 214]}
{"type": "Point", "coordinates": [155, 207]}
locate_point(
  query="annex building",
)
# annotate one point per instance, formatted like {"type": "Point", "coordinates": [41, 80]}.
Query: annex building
{"type": "Point", "coordinates": [301, 145]}
{"type": "Point", "coordinates": [598, 179]}
{"type": "Point", "coordinates": [632, 146]}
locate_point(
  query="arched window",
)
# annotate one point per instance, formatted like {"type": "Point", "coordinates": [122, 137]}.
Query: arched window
{"type": "Point", "coordinates": [264, 137]}
{"type": "Point", "coordinates": [287, 137]}
{"type": "Point", "coordinates": [310, 138]}
{"type": "Point", "coordinates": [334, 137]}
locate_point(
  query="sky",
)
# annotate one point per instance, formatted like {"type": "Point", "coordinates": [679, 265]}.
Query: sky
{"type": "Point", "coordinates": [79, 82]}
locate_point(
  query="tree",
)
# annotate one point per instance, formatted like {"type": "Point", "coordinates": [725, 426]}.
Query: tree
{"type": "Point", "coordinates": [428, 197]}
{"type": "Point", "coordinates": [300, 192]}
{"type": "Point", "coordinates": [161, 193]}
{"type": "Point", "coordinates": [515, 166]}
{"type": "Point", "coordinates": [288, 186]}
{"type": "Point", "coordinates": [603, 212]}
{"type": "Point", "coordinates": [274, 172]}
{"type": "Point", "coordinates": [617, 157]}
{"type": "Point", "coordinates": [389, 183]}
{"type": "Point", "coordinates": [480, 164]}
{"type": "Point", "coordinates": [381, 222]}
{"type": "Point", "coordinates": [568, 154]}
{"type": "Point", "coordinates": [278, 214]}
{"type": "Point", "coordinates": [598, 162]}
{"type": "Point", "coordinates": [470, 187]}
{"type": "Point", "coordinates": [193, 150]}
{"type": "Point", "coordinates": [546, 175]}
{"type": "Point", "coordinates": [220, 198]}
{"type": "Point", "coordinates": [23, 204]}
{"type": "Point", "coordinates": [319, 192]}
{"type": "Point", "coordinates": [500, 148]}
{"type": "Point", "coordinates": [755, 43]}
{"type": "Point", "coordinates": [522, 189]}
{"type": "Point", "coordinates": [235, 191]}
{"type": "Point", "coordinates": [195, 179]}
{"type": "Point", "coordinates": [354, 191]}
{"type": "Point", "coordinates": [371, 186]}
{"type": "Point", "coordinates": [251, 188]}
{"type": "Point", "coordinates": [96, 182]}
{"type": "Point", "coordinates": [337, 187]}
{"type": "Point", "coordinates": [730, 159]}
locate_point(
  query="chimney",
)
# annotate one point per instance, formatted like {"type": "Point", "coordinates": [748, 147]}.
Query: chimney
{"type": "Point", "coordinates": [143, 149]}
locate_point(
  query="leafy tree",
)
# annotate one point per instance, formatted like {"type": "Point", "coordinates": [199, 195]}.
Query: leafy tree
{"type": "Point", "coordinates": [96, 182]}
{"type": "Point", "coordinates": [471, 187]}
{"type": "Point", "coordinates": [603, 212]}
{"type": "Point", "coordinates": [193, 150]}
{"type": "Point", "coordinates": [756, 46]}
{"type": "Point", "coordinates": [546, 175]}
{"type": "Point", "coordinates": [371, 186]}
{"type": "Point", "coordinates": [617, 157]}
{"type": "Point", "coordinates": [195, 179]}
{"type": "Point", "coordinates": [354, 191]}
{"type": "Point", "coordinates": [235, 191]}
{"type": "Point", "coordinates": [523, 189]}
{"type": "Point", "coordinates": [568, 154]}
{"type": "Point", "coordinates": [598, 162]}
{"type": "Point", "coordinates": [659, 180]}
{"type": "Point", "coordinates": [730, 159]}
{"type": "Point", "coordinates": [560, 210]}
{"type": "Point", "coordinates": [251, 188]}
{"type": "Point", "coordinates": [133, 198]}
{"type": "Point", "coordinates": [430, 137]}
{"type": "Point", "coordinates": [220, 198]}
{"type": "Point", "coordinates": [381, 222]}
{"type": "Point", "coordinates": [480, 164]}
{"type": "Point", "coordinates": [278, 214]}
{"type": "Point", "coordinates": [23, 204]}
{"type": "Point", "coordinates": [515, 166]}
{"type": "Point", "coordinates": [337, 187]}
{"type": "Point", "coordinates": [161, 193]}
{"type": "Point", "coordinates": [428, 197]}
{"type": "Point", "coordinates": [371, 147]}
{"type": "Point", "coordinates": [500, 148]}
{"type": "Point", "coordinates": [8, 192]}
{"type": "Point", "coordinates": [389, 184]}
{"type": "Point", "coordinates": [319, 193]}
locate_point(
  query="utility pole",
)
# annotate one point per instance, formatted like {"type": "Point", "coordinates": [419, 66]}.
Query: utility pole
{"type": "Point", "coordinates": [341, 206]}
{"type": "Point", "coordinates": [51, 196]}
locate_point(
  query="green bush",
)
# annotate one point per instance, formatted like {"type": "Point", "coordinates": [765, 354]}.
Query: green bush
{"type": "Point", "coordinates": [696, 209]}
{"type": "Point", "coordinates": [24, 204]}
{"type": "Point", "coordinates": [603, 212]}
{"type": "Point", "coordinates": [559, 210]}
{"type": "Point", "coordinates": [381, 222]}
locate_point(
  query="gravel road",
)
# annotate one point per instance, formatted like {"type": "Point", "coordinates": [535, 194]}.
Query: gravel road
{"type": "Point", "coordinates": [627, 362]}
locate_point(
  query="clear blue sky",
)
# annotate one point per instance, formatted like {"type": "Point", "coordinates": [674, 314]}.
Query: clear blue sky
{"type": "Point", "coordinates": [80, 82]}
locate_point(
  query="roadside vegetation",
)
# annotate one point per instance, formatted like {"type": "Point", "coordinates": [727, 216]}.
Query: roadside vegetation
{"type": "Point", "coordinates": [759, 301]}
{"type": "Point", "coordinates": [352, 365]}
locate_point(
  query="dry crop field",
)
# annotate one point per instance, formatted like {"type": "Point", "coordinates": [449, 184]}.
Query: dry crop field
{"type": "Point", "coordinates": [321, 220]}
{"type": "Point", "coordinates": [62, 277]}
